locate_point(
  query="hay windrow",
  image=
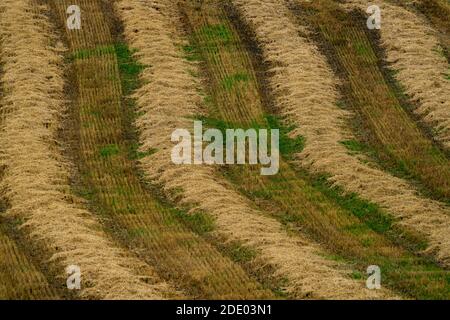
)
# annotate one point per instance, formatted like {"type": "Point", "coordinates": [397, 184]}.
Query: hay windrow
{"type": "Point", "coordinates": [414, 52]}
{"type": "Point", "coordinates": [306, 94]}
{"type": "Point", "coordinates": [168, 100]}
{"type": "Point", "coordinates": [36, 180]}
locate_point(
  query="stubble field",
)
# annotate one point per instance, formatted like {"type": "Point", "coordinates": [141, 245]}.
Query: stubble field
{"type": "Point", "coordinates": [87, 180]}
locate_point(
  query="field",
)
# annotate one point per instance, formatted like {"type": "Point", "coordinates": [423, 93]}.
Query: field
{"type": "Point", "coordinates": [88, 180]}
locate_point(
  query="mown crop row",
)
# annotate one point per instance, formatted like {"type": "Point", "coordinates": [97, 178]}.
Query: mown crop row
{"type": "Point", "coordinates": [330, 146]}
{"type": "Point", "coordinates": [20, 278]}
{"type": "Point", "coordinates": [418, 62]}
{"type": "Point", "coordinates": [134, 214]}
{"type": "Point", "coordinates": [36, 175]}
{"type": "Point", "coordinates": [169, 100]}
{"type": "Point", "coordinates": [138, 70]}
{"type": "Point", "coordinates": [437, 13]}
{"type": "Point", "coordinates": [290, 196]}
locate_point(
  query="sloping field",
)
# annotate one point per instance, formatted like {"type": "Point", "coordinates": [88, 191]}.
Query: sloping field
{"type": "Point", "coordinates": [110, 180]}
{"type": "Point", "coordinates": [289, 196]}
{"type": "Point", "coordinates": [394, 134]}
{"type": "Point", "coordinates": [167, 101]}
{"type": "Point", "coordinates": [322, 219]}
{"type": "Point", "coordinates": [36, 176]}
{"type": "Point", "coordinates": [437, 13]}
{"type": "Point", "coordinates": [313, 108]}
{"type": "Point", "coordinates": [19, 277]}
{"type": "Point", "coordinates": [87, 118]}
{"type": "Point", "coordinates": [415, 52]}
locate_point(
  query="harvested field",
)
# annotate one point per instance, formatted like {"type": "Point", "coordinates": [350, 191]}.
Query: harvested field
{"type": "Point", "coordinates": [419, 62]}
{"type": "Point", "coordinates": [391, 131]}
{"type": "Point", "coordinates": [19, 277]}
{"type": "Point", "coordinates": [109, 180]}
{"type": "Point", "coordinates": [290, 196]}
{"type": "Point", "coordinates": [94, 92]}
{"type": "Point", "coordinates": [36, 176]}
{"type": "Point", "coordinates": [323, 124]}
{"type": "Point", "coordinates": [437, 13]}
{"type": "Point", "coordinates": [324, 222]}
{"type": "Point", "coordinates": [309, 275]}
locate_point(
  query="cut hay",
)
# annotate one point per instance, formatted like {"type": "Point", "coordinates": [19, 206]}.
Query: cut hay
{"type": "Point", "coordinates": [306, 94]}
{"type": "Point", "coordinates": [415, 54]}
{"type": "Point", "coordinates": [168, 100]}
{"type": "Point", "coordinates": [36, 179]}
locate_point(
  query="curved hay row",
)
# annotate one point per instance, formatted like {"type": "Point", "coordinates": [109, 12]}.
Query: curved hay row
{"type": "Point", "coordinates": [166, 101]}
{"type": "Point", "coordinates": [306, 94]}
{"type": "Point", "coordinates": [36, 176]}
{"type": "Point", "coordinates": [413, 51]}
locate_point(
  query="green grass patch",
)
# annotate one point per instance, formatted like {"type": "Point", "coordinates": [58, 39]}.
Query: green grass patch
{"type": "Point", "coordinates": [97, 51]}
{"type": "Point", "coordinates": [136, 154]}
{"type": "Point", "coordinates": [288, 146]}
{"type": "Point", "coordinates": [357, 275]}
{"type": "Point", "coordinates": [368, 212]}
{"type": "Point", "coordinates": [241, 254]}
{"type": "Point", "coordinates": [109, 150]}
{"type": "Point", "coordinates": [209, 38]}
{"type": "Point", "coordinates": [199, 222]}
{"type": "Point", "coordinates": [355, 146]}
{"type": "Point", "coordinates": [191, 53]}
{"type": "Point", "coordinates": [229, 82]}
{"type": "Point", "coordinates": [142, 154]}
{"type": "Point", "coordinates": [367, 242]}
{"type": "Point", "coordinates": [216, 33]}
{"type": "Point", "coordinates": [362, 49]}
{"type": "Point", "coordinates": [129, 68]}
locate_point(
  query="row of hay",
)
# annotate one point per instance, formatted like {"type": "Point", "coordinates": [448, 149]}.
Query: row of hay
{"type": "Point", "coordinates": [36, 180]}
{"type": "Point", "coordinates": [437, 13]}
{"type": "Point", "coordinates": [306, 94]}
{"type": "Point", "coordinates": [414, 52]}
{"type": "Point", "coordinates": [168, 100]}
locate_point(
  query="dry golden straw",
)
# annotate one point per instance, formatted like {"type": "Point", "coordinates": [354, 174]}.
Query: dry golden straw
{"type": "Point", "coordinates": [36, 181]}
{"type": "Point", "coordinates": [306, 94]}
{"type": "Point", "coordinates": [168, 100]}
{"type": "Point", "coordinates": [413, 51]}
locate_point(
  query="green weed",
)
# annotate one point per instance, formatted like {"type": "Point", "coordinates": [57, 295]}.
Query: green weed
{"type": "Point", "coordinates": [218, 32]}
{"type": "Point", "coordinates": [229, 82]}
{"type": "Point", "coordinates": [129, 68]}
{"type": "Point", "coordinates": [109, 150]}
{"type": "Point", "coordinates": [88, 53]}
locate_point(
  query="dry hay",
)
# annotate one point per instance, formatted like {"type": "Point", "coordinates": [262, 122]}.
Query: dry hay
{"type": "Point", "coordinates": [36, 180]}
{"type": "Point", "coordinates": [413, 51]}
{"type": "Point", "coordinates": [168, 100]}
{"type": "Point", "coordinates": [306, 94]}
